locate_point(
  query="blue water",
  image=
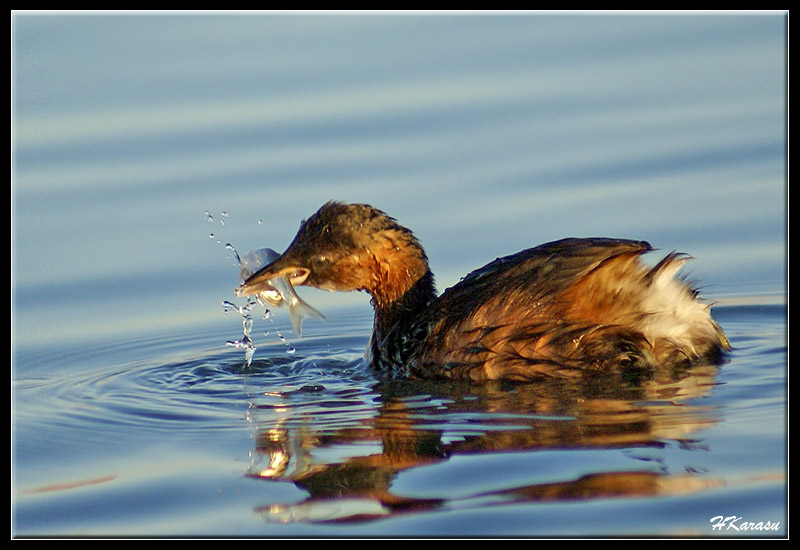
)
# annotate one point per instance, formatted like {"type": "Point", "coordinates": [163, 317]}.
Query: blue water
{"type": "Point", "coordinates": [485, 135]}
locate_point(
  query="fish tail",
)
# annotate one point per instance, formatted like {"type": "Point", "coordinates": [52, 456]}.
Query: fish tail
{"type": "Point", "coordinates": [299, 312]}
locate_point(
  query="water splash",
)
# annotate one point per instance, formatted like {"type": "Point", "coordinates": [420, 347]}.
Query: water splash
{"type": "Point", "coordinates": [247, 265]}
{"type": "Point", "coordinates": [245, 342]}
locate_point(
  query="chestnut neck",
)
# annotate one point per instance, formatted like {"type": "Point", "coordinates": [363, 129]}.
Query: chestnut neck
{"type": "Point", "coordinates": [402, 288]}
{"type": "Point", "coordinates": [393, 268]}
{"type": "Point", "coordinates": [405, 309]}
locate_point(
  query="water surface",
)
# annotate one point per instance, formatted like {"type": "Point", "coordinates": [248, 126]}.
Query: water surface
{"type": "Point", "coordinates": [142, 145]}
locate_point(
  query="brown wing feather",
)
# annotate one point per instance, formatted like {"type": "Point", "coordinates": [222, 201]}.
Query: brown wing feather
{"type": "Point", "coordinates": [554, 310]}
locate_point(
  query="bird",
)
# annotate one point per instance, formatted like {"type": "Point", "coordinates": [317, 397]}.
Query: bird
{"type": "Point", "coordinates": [564, 309]}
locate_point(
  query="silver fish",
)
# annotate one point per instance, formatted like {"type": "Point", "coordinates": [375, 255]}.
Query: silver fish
{"type": "Point", "coordinates": [277, 291]}
{"type": "Point", "coordinates": [298, 309]}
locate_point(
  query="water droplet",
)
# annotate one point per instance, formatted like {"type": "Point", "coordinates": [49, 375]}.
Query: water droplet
{"type": "Point", "coordinates": [260, 222]}
{"type": "Point", "coordinates": [290, 350]}
{"type": "Point", "coordinates": [209, 217]}
{"type": "Point", "coordinates": [230, 247]}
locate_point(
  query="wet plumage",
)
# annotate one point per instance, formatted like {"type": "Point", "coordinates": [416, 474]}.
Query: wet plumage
{"type": "Point", "coordinates": [561, 309]}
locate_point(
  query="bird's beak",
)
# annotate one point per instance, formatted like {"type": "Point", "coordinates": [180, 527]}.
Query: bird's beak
{"type": "Point", "coordinates": [260, 280]}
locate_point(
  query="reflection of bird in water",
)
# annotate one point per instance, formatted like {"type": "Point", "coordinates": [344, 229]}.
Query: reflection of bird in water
{"type": "Point", "coordinates": [557, 310]}
{"type": "Point", "coordinates": [349, 472]}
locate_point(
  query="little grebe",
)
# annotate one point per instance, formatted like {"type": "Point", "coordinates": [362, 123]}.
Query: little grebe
{"type": "Point", "coordinates": [560, 309]}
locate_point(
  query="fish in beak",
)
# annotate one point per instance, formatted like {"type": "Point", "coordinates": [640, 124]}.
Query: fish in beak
{"type": "Point", "coordinates": [270, 278]}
